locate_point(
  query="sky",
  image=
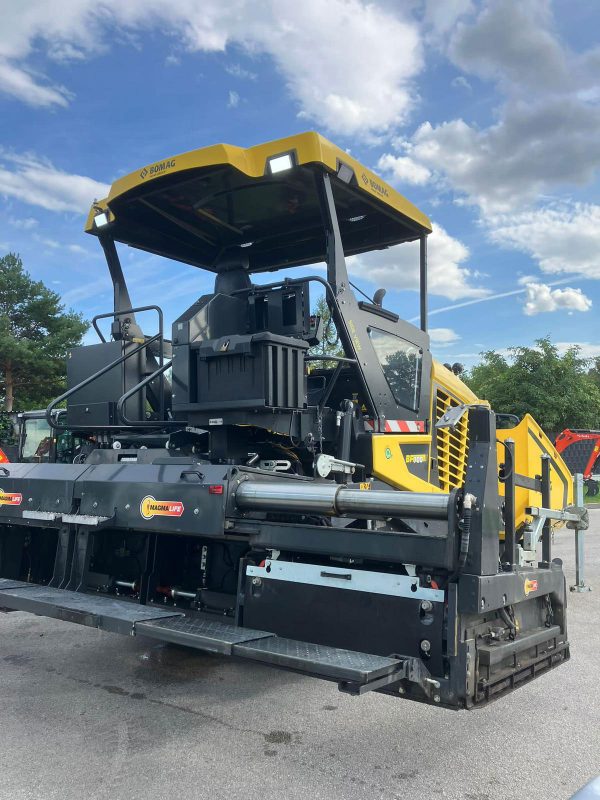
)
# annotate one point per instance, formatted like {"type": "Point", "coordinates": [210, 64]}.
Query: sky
{"type": "Point", "coordinates": [484, 113]}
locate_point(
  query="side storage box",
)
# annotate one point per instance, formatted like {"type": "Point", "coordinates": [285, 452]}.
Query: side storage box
{"type": "Point", "coordinates": [252, 371]}
{"type": "Point", "coordinates": [95, 404]}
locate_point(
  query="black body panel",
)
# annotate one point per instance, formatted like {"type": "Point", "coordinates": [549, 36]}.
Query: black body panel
{"type": "Point", "coordinates": [345, 618]}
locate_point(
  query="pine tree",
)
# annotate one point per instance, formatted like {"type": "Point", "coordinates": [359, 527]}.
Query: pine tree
{"type": "Point", "coordinates": [35, 334]}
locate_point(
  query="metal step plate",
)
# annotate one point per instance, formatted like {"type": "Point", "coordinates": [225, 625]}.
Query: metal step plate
{"type": "Point", "coordinates": [95, 611]}
{"type": "Point", "coordinates": [205, 634]}
{"type": "Point", "coordinates": [8, 583]}
{"type": "Point", "coordinates": [315, 659]}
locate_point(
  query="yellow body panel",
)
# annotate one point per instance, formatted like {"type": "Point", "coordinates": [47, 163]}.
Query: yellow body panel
{"type": "Point", "coordinates": [389, 462]}
{"type": "Point", "coordinates": [452, 383]}
{"type": "Point", "coordinates": [452, 446]}
{"type": "Point", "coordinates": [530, 443]}
{"type": "Point", "coordinates": [309, 148]}
{"type": "Point", "coordinates": [451, 451]}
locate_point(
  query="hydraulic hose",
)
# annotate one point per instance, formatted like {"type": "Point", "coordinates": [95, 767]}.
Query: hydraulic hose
{"type": "Point", "coordinates": [465, 537]}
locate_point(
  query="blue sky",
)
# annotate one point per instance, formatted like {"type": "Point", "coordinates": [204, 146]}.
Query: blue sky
{"type": "Point", "coordinates": [485, 114]}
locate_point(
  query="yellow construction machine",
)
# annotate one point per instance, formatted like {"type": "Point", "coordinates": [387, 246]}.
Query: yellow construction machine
{"type": "Point", "coordinates": [357, 517]}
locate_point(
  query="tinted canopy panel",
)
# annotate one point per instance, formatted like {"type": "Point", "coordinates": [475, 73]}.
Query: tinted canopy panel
{"type": "Point", "coordinates": [193, 211]}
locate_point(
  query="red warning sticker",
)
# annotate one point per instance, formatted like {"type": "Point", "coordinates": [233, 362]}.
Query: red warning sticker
{"type": "Point", "coordinates": [530, 586]}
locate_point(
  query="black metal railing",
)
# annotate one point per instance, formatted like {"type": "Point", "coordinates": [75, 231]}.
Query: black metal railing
{"type": "Point", "coordinates": [123, 420]}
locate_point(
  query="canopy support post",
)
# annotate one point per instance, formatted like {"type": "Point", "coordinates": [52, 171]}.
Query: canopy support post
{"type": "Point", "coordinates": [423, 281]}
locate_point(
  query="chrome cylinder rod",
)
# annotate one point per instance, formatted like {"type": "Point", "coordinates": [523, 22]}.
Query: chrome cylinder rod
{"type": "Point", "coordinates": [337, 500]}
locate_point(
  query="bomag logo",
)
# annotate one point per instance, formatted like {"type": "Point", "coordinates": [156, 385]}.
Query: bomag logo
{"type": "Point", "coordinates": [151, 507]}
{"type": "Point", "coordinates": [415, 459]}
{"type": "Point", "coordinates": [156, 169]}
{"type": "Point", "coordinates": [377, 187]}
{"type": "Point", "coordinates": [530, 586]}
{"type": "Point", "coordinates": [10, 498]}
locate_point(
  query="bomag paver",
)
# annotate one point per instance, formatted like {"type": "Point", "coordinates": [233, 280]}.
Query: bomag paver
{"type": "Point", "coordinates": [345, 518]}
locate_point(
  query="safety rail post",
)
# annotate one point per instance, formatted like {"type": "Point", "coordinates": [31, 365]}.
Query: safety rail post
{"type": "Point", "coordinates": [510, 535]}
{"type": "Point", "coordinates": [546, 502]}
{"type": "Point", "coordinates": [579, 585]}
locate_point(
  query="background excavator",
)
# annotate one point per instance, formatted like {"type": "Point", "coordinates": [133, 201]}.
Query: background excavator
{"type": "Point", "coordinates": [580, 450]}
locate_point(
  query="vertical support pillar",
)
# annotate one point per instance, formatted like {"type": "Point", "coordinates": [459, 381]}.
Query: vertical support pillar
{"type": "Point", "coordinates": [64, 557]}
{"type": "Point", "coordinates": [423, 281]}
{"type": "Point", "coordinates": [546, 530]}
{"type": "Point", "coordinates": [81, 559]}
{"type": "Point", "coordinates": [579, 542]}
{"type": "Point", "coordinates": [509, 558]}
{"type": "Point", "coordinates": [482, 482]}
{"type": "Point", "coordinates": [148, 578]}
{"type": "Point", "coordinates": [121, 296]}
{"type": "Point", "coordinates": [337, 273]}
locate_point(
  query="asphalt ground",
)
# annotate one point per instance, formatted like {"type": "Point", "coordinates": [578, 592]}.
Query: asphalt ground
{"type": "Point", "coordinates": [86, 714]}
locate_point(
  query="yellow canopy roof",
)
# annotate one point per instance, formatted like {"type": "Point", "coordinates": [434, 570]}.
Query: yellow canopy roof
{"type": "Point", "coordinates": [193, 207]}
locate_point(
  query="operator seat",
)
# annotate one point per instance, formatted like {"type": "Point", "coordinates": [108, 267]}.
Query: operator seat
{"type": "Point", "coordinates": [232, 272]}
{"type": "Point", "coordinates": [223, 313]}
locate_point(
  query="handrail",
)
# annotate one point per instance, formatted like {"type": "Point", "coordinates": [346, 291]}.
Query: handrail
{"type": "Point", "coordinates": [145, 423]}
{"type": "Point", "coordinates": [139, 310]}
{"type": "Point", "coordinates": [91, 379]}
{"type": "Point", "coordinates": [326, 357]}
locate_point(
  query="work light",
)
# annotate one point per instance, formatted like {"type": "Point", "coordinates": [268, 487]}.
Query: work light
{"type": "Point", "coordinates": [100, 220]}
{"type": "Point", "coordinates": [280, 163]}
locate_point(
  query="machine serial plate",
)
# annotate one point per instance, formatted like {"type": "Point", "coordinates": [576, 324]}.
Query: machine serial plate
{"type": "Point", "coordinates": [357, 580]}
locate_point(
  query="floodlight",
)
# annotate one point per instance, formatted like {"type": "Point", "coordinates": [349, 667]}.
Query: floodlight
{"type": "Point", "coordinates": [280, 163]}
{"type": "Point", "coordinates": [100, 220]}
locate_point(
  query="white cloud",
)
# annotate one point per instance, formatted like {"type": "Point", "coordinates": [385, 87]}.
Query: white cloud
{"type": "Point", "coordinates": [87, 290]}
{"type": "Point", "coordinates": [334, 55]}
{"type": "Point", "coordinates": [78, 250]}
{"type": "Point", "coordinates": [545, 133]}
{"type": "Point", "coordinates": [233, 100]}
{"type": "Point", "coordinates": [20, 83]}
{"type": "Point", "coordinates": [442, 337]}
{"type": "Point", "coordinates": [586, 349]}
{"type": "Point", "coordinates": [442, 17]}
{"type": "Point", "coordinates": [39, 183]}
{"type": "Point", "coordinates": [398, 267]}
{"type": "Point", "coordinates": [239, 72]}
{"type": "Point", "coordinates": [460, 82]}
{"type": "Point", "coordinates": [402, 169]}
{"type": "Point", "coordinates": [25, 224]}
{"type": "Point", "coordinates": [541, 298]}
{"type": "Point", "coordinates": [563, 238]}
{"type": "Point", "coordinates": [536, 147]}
{"type": "Point", "coordinates": [514, 41]}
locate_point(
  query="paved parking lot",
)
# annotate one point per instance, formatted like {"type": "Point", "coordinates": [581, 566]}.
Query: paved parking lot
{"type": "Point", "coordinates": [85, 714]}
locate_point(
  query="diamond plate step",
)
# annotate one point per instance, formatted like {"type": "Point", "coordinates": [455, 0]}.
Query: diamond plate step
{"type": "Point", "coordinates": [316, 659]}
{"type": "Point", "coordinates": [204, 634]}
{"type": "Point", "coordinates": [95, 611]}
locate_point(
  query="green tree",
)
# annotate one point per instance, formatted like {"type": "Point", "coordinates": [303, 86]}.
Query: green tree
{"type": "Point", "coordinates": [555, 389]}
{"type": "Point", "coordinates": [594, 372]}
{"type": "Point", "coordinates": [330, 344]}
{"type": "Point", "coordinates": [35, 334]}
